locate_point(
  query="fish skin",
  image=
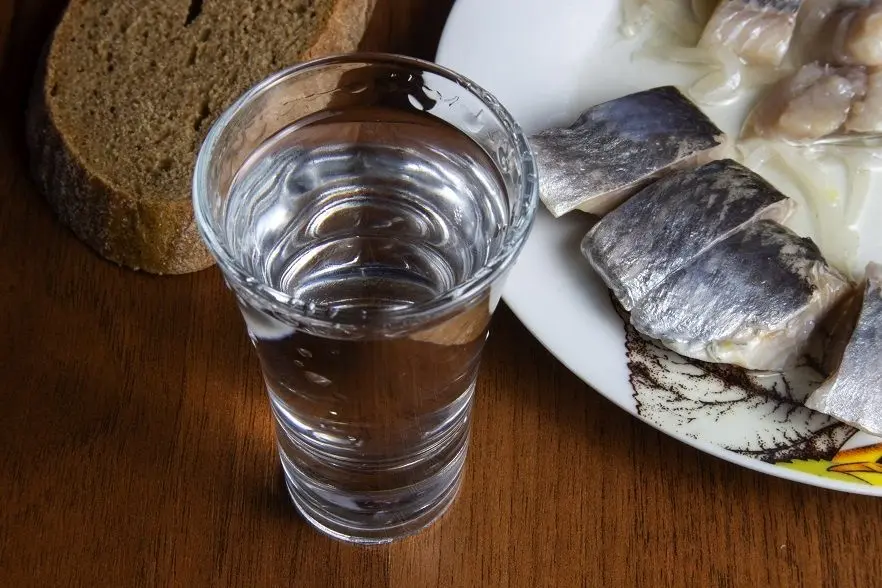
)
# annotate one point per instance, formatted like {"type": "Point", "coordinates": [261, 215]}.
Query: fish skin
{"type": "Point", "coordinates": [675, 220]}
{"type": "Point", "coordinates": [776, 5]}
{"type": "Point", "coordinates": [757, 31]}
{"type": "Point", "coordinates": [751, 300]}
{"type": "Point", "coordinates": [617, 147]}
{"type": "Point", "coordinates": [853, 393]}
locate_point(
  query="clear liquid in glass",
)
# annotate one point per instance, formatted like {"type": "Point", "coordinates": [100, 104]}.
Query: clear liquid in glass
{"type": "Point", "coordinates": [354, 216]}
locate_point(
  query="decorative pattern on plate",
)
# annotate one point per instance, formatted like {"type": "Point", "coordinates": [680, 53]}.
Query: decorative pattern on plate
{"type": "Point", "coordinates": [754, 414]}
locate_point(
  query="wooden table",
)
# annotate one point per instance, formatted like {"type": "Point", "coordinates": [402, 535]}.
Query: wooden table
{"type": "Point", "coordinates": [136, 449]}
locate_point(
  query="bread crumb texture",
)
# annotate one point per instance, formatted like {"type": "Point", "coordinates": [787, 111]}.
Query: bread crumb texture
{"type": "Point", "coordinates": [130, 89]}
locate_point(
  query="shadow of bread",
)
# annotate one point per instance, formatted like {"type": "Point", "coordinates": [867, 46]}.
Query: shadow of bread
{"type": "Point", "coordinates": [30, 25]}
{"type": "Point", "coordinates": [5, 25]}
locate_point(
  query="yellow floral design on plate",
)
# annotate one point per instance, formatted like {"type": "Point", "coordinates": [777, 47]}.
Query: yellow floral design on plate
{"type": "Point", "coordinates": [860, 464]}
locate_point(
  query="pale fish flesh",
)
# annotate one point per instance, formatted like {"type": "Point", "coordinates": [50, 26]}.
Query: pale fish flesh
{"type": "Point", "coordinates": [820, 102]}
{"type": "Point", "coordinates": [850, 35]}
{"type": "Point", "coordinates": [751, 300]}
{"type": "Point", "coordinates": [617, 147]}
{"type": "Point", "coordinates": [668, 224]}
{"type": "Point", "coordinates": [834, 332]}
{"type": "Point", "coordinates": [865, 116]}
{"type": "Point", "coordinates": [853, 394]}
{"type": "Point", "coordinates": [757, 31]}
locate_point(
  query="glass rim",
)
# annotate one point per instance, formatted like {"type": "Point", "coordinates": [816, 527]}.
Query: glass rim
{"type": "Point", "coordinates": [447, 301]}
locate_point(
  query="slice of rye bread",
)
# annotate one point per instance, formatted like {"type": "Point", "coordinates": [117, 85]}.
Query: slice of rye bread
{"type": "Point", "coordinates": [126, 93]}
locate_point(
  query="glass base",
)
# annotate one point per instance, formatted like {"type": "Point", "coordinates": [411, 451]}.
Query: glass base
{"type": "Point", "coordinates": [402, 519]}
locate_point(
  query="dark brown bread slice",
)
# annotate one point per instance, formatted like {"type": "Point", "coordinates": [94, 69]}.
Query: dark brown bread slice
{"type": "Point", "coordinates": [127, 92]}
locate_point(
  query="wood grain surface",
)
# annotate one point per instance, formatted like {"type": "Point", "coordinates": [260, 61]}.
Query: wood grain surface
{"type": "Point", "coordinates": [136, 448]}
{"type": "Point", "coordinates": [5, 26]}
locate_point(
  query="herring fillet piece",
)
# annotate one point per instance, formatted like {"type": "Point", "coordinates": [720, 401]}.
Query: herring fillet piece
{"type": "Point", "coordinates": [617, 147]}
{"type": "Point", "coordinates": [853, 393]}
{"type": "Point", "coordinates": [851, 34]}
{"type": "Point", "coordinates": [669, 223]}
{"type": "Point", "coordinates": [865, 116]}
{"type": "Point", "coordinates": [751, 300]}
{"type": "Point", "coordinates": [757, 31]}
{"type": "Point", "coordinates": [819, 102]}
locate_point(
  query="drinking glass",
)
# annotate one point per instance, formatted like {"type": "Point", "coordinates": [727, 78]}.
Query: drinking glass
{"type": "Point", "coordinates": [364, 210]}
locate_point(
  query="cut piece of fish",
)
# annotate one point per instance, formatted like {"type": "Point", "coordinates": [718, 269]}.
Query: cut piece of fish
{"type": "Point", "coordinates": [669, 223]}
{"type": "Point", "coordinates": [617, 147]}
{"type": "Point", "coordinates": [834, 332]}
{"type": "Point", "coordinates": [851, 34]}
{"type": "Point", "coordinates": [820, 102]}
{"type": "Point", "coordinates": [757, 31]}
{"type": "Point", "coordinates": [853, 393]}
{"type": "Point", "coordinates": [751, 300]}
{"type": "Point", "coordinates": [865, 116]}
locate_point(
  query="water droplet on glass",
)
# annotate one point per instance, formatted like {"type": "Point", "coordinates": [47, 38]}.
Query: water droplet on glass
{"type": "Point", "coordinates": [317, 379]}
{"type": "Point", "coordinates": [433, 93]}
{"type": "Point", "coordinates": [356, 88]}
{"type": "Point", "coordinates": [415, 102]}
{"type": "Point", "coordinates": [504, 161]}
{"type": "Point", "coordinates": [304, 352]}
{"type": "Point", "coordinates": [298, 363]}
{"type": "Point", "coordinates": [474, 124]}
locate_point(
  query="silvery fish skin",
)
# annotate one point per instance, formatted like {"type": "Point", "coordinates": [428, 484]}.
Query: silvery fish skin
{"type": "Point", "coordinates": [668, 224]}
{"type": "Point", "coordinates": [617, 147]}
{"type": "Point", "coordinates": [757, 31]}
{"type": "Point", "coordinates": [853, 394]}
{"type": "Point", "coordinates": [751, 300]}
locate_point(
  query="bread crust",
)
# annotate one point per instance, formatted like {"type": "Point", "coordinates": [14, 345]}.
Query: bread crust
{"type": "Point", "coordinates": [346, 25]}
{"type": "Point", "coordinates": [154, 235]}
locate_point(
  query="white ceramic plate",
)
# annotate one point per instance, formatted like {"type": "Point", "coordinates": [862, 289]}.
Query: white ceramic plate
{"type": "Point", "coordinates": [547, 60]}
